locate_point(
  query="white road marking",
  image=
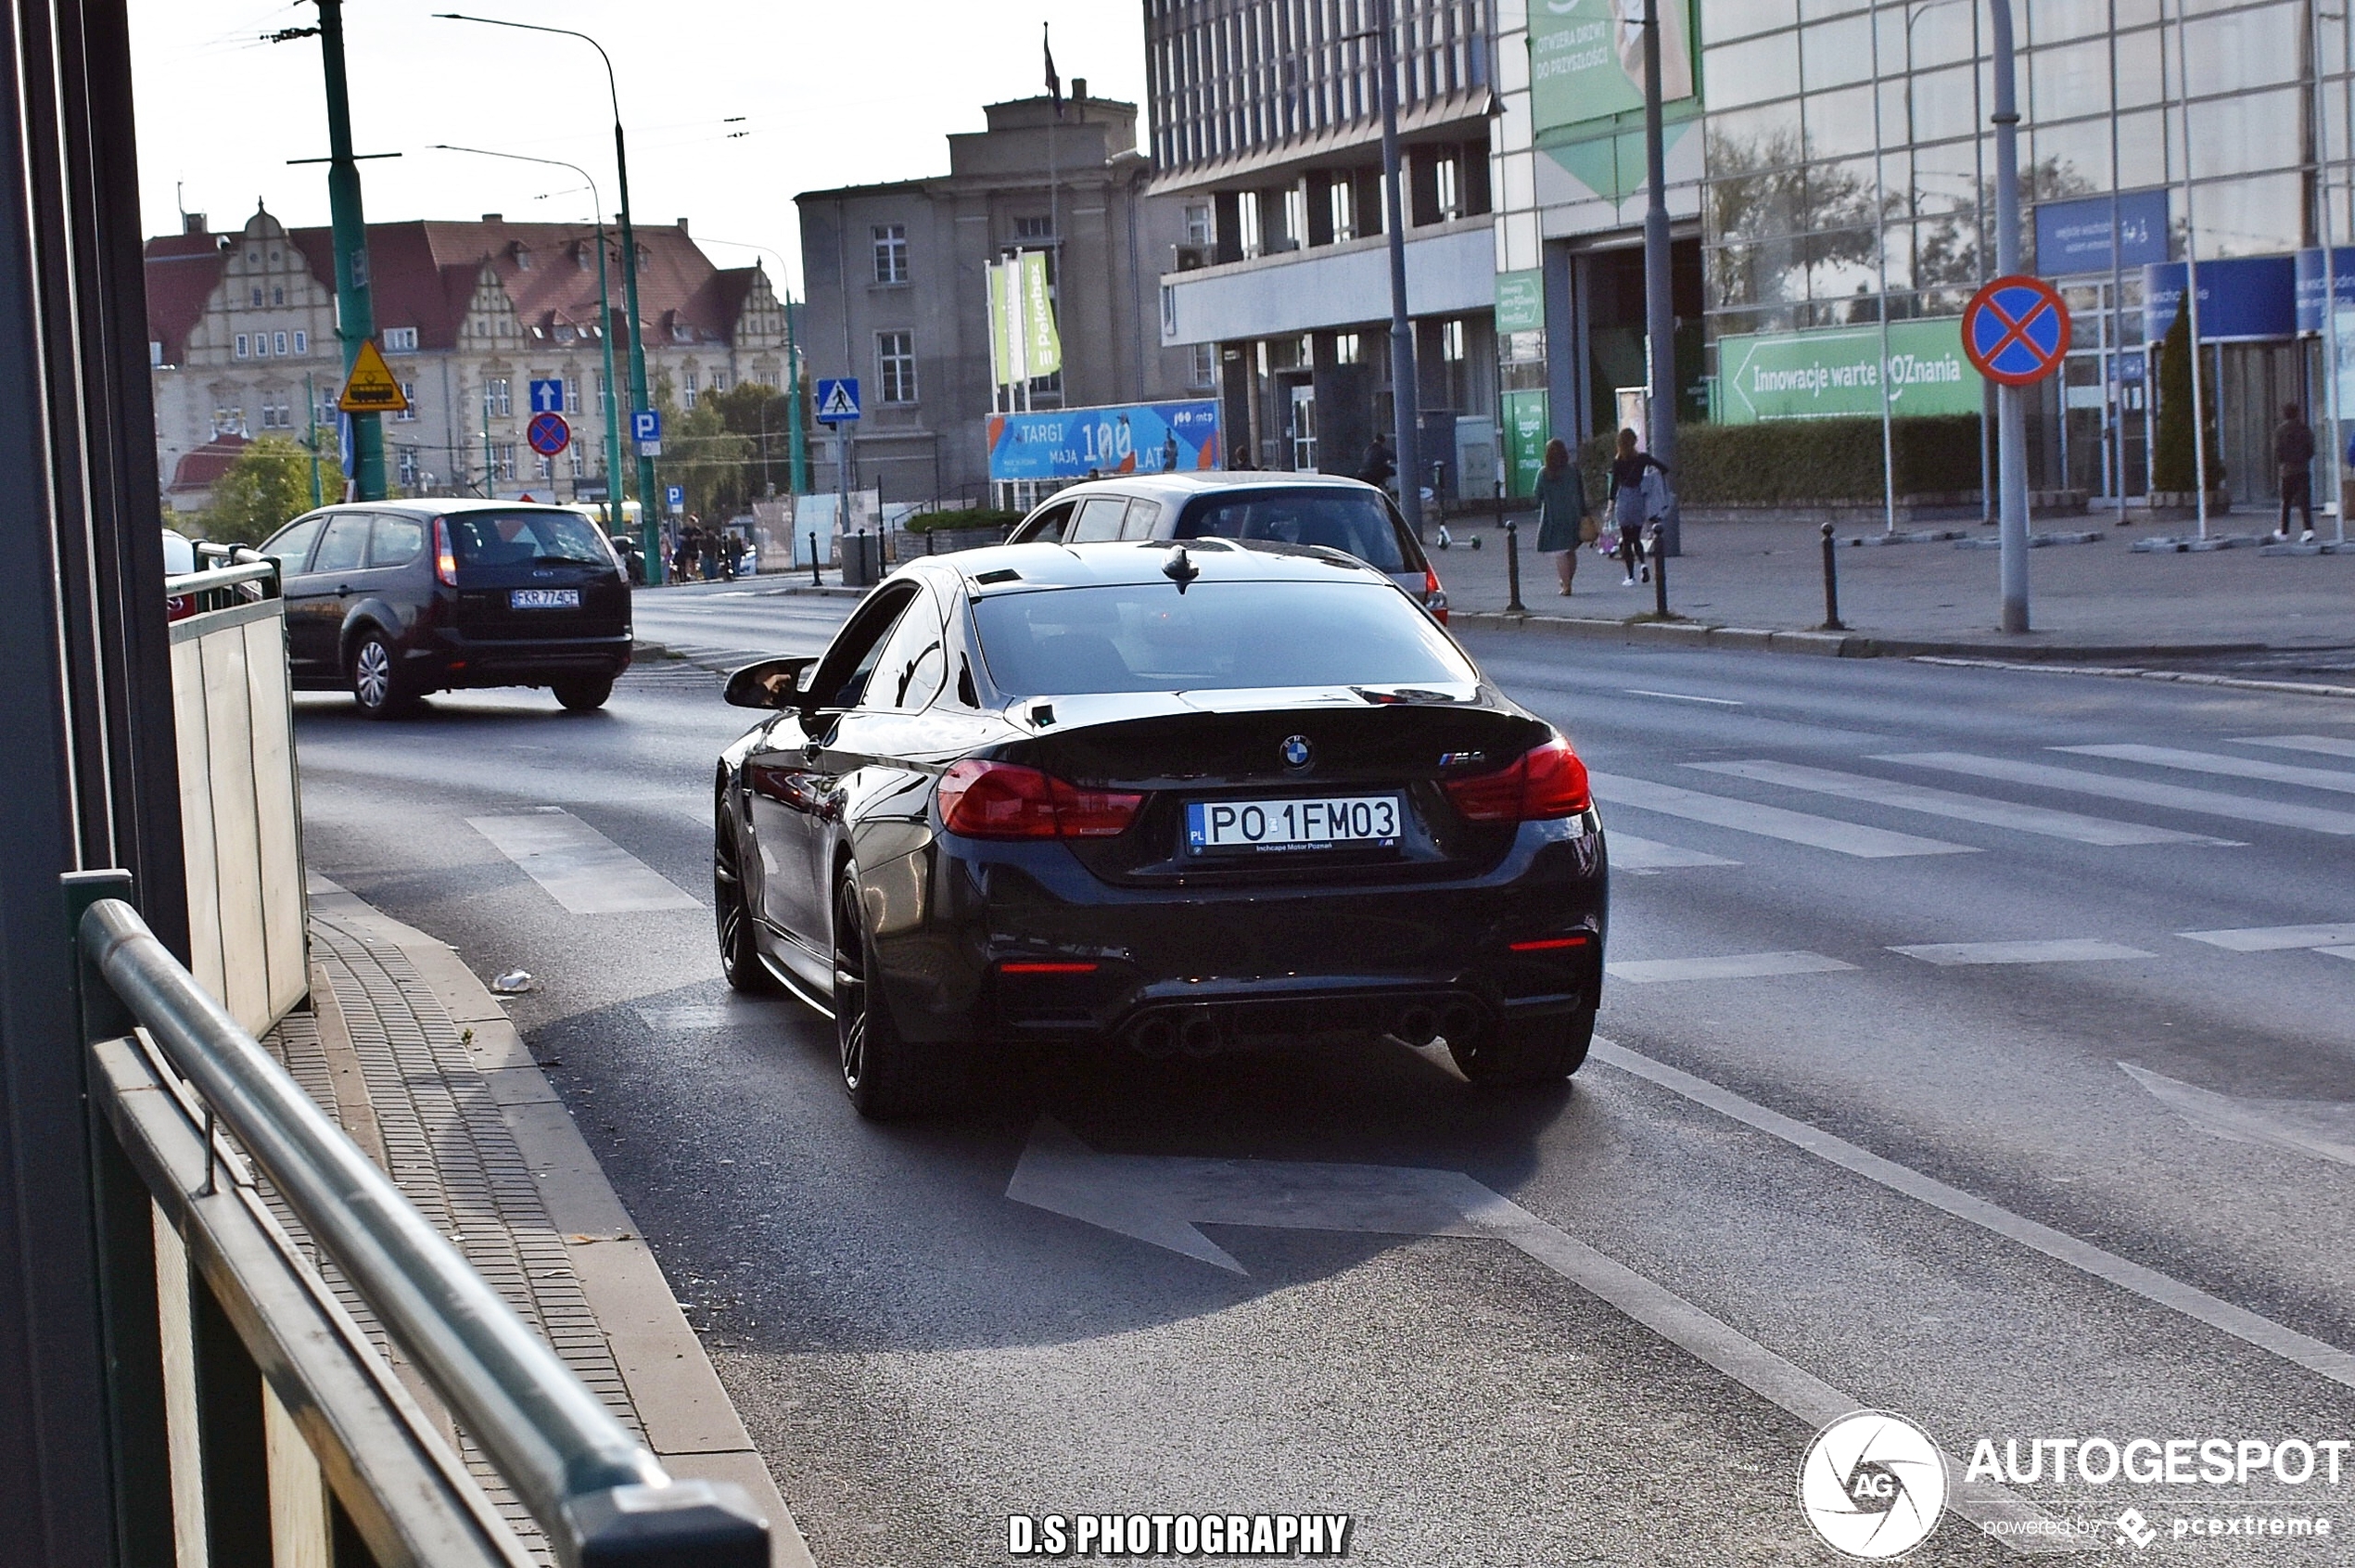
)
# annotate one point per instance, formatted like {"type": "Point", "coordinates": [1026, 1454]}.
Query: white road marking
{"type": "Point", "coordinates": [2065, 950]}
{"type": "Point", "coordinates": [2275, 938]}
{"type": "Point", "coordinates": [2323, 1360]}
{"type": "Point", "coordinates": [1769, 822]}
{"type": "Point", "coordinates": [2338, 952]}
{"type": "Point", "coordinates": [2147, 792]}
{"type": "Point", "coordinates": [2232, 767]}
{"type": "Point", "coordinates": [688, 1017]}
{"type": "Point", "coordinates": [577, 866]}
{"type": "Point", "coordinates": [1162, 1199]}
{"type": "Point", "coordinates": [2325, 1129]}
{"type": "Point", "coordinates": [2327, 746]}
{"type": "Point", "coordinates": [1684, 696]}
{"type": "Point", "coordinates": [1947, 803]}
{"type": "Point", "coordinates": [1735, 966]}
{"type": "Point", "coordinates": [1631, 853]}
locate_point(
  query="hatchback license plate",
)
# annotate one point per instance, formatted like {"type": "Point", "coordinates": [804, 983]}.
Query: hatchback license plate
{"type": "Point", "coordinates": [544, 599]}
{"type": "Point", "coordinates": [1347, 821]}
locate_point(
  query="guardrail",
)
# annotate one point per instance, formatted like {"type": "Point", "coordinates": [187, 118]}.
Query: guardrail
{"type": "Point", "coordinates": [169, 1069]}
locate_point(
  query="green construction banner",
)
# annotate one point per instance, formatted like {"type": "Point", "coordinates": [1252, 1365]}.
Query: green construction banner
{"type": "Point", "coordinates": [1526, 431]}
{"type": "Point", "coordinates": [1005, 323]}
{"type": "Point", "coordinates": [1521, 301]}
{"type": "Point", "coordinates": [1586, 59]}
{"type": "Point", "coordinates": [1837, 372]}
{"type": "Point", "coordinates": [1042, 347]}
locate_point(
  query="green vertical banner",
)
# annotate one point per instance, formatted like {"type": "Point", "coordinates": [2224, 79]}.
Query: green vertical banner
{"type": "Point", "coordinates": [1042, 347]}
{"type": "Point", "coordinates": [1005, 323]}
{"type": "Point", "coordinates": [1521, 301]}
{"type": "Point", "coordinates": [1526, 430]}
{"type": "Point", "coordinates": [1587, 61]}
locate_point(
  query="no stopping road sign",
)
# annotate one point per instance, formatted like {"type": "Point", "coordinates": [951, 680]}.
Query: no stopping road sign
{"type": "Point", "coordinates": [2016, 330]}
{"type": "Point", "coordinates": [548, 434]}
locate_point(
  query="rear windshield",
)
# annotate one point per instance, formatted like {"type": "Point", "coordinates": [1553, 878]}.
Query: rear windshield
{"type": "Point", "coordinates": [1147, 637]}
{"type": "Point", "coordinates": [514, 539]}
{"type": "Point", "coordinates": [1357, 522]}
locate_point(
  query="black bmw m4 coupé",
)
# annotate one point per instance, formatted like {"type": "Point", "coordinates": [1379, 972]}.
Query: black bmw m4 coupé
{"type": "Point", "coordinates": [1175, 799]}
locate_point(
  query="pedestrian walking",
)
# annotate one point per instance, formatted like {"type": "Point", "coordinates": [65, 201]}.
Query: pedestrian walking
{"type": "Point", "coordinates": [710, 551]}
{"type": "Point", "coordinates": [1627, 507]}
{"type": "Point", "coordinates": [2294, 453]}
{"type": "Point", "coordinates": [682, 557]}
{"type": "Point", "coordinates": [1169, 453]}
{"type": "Point", "coordinates": [1379, 465]}
{"type": "Point", "coordinates": [1563, 522]}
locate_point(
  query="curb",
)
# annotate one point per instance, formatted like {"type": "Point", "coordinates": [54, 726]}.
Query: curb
{"type": "Point", "coordinates": [2188, 678]}
{"type": "Point", "coordinates": [1837, 645]}
{"type": "Point", "coordinates": [690, 1424]}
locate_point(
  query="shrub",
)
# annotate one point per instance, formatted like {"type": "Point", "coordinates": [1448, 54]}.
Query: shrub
{"type": "Point", "coordinates": [966, 517]}
{"type": "Point", "coordinates": [2173, 467]}
{"type": "Point", "coordinates": [1797, 462]}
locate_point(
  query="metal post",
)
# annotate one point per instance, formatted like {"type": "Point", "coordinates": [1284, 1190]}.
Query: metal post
{"type": "Point", "coordinates": [815, 580]}
{"type": "Point", "coordinates": [2011, 405]}
{"type": "Point", "coordinates": [311, 422]}
{"type": "Point", "coordinates": [1659, 301]}
{"type": "Point", "coordinates": [1880, 255]}
{"type": "Point", "coordinates": [1660, 574]}
{"type": "Point", "coordinates": [1832, 582]}
{"type": "Point", "coordinates": [1405, 389]}
{"type": "Point", "coordinates": [2114, 372]}
{"type": "Point", "coordinates": [1512, 568]}
{"type": "Point", "coordinates": [2191, 282]}
{"type": "Point", "coordinates": [796, 443]}
{"type": "Point", "coordinates": [355, 315]}
{"type": "Point", "coordinates": [2331, 412]}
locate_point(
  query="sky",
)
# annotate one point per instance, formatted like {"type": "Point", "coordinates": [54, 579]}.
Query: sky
{"type": "Point", "coordinates": [731, 106]}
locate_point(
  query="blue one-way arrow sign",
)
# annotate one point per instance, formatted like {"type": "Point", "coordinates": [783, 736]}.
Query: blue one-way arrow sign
{"type": "Point", "coordinates": [548, 397]}
{"type": "Point", "coordinates": [837, 400]}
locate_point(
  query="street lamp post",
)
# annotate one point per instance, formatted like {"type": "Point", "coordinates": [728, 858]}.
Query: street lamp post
{"type": "Point", "coordinates": [356, 321]}
{"type": "Point", "coordinates": [1406, 393]}
{"type": "Point", "coordinates": [1660, 302]}
{"type": "Point", "coordinates": [796, 443]}
{"type": "Point", "coordinates": [2011, 407]}
{"type": "Point", "coordinates": [649, 537]}
{"type": "Point", "coordinates": [605, 322]}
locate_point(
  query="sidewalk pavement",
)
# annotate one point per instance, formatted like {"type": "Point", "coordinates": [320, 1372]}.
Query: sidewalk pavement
{"type": "Point", "coordinates": [2101, 600]}
{"type": "Point", "coordinates": [419, 1064]}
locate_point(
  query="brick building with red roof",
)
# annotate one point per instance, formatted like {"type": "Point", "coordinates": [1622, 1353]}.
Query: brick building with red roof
{"type": "Point", "coordinates": [242, 339]}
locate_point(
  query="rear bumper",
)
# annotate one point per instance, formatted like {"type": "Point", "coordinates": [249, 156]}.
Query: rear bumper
{"type": "Point", "coordinates": [1262, 961]}
{"type": "Point", "coordinates": [452, 659]}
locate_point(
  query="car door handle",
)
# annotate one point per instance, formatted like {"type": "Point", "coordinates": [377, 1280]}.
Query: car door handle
{"type": "Point", "coordinates": [343, 591]}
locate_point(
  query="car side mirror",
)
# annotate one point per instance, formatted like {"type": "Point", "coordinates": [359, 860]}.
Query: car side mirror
{"type": "Point", "coordinates": [773, 682]}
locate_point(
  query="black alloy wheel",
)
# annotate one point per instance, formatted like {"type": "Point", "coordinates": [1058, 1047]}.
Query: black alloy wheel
{"type": "Point", "coordinates": [583, 693]}
{"type": "Point", "coordinates": [739, 957]}
{"type": "Point", "coordinates": [378, 684]}
{"type": "Point", "coordinates": [1526, 1050]}
{"type": "Point", "coordinates": [880, 1071]}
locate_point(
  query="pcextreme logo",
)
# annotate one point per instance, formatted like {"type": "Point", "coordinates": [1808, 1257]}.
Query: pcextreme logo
{"type": "Point", "coordinates": [1873, 1484]}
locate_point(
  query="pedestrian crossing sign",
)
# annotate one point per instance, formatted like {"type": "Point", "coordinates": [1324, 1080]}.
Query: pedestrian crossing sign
{"type": "Point", "coordinates": [837, 400]}
{"type": "Point", "coordinates": [370, 388]}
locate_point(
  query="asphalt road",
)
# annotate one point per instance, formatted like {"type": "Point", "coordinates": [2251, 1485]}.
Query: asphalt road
{"type": "Point", "coordinates": [1919, 1097]}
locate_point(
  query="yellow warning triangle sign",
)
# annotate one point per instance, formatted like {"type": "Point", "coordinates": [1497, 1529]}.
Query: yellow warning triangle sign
{"type": "Point", "coordinates": [370, 388]}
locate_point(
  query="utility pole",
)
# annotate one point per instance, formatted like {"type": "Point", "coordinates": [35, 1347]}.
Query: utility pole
{"type": "Point", "coordinates": [355, 316]}
{"type": "Point", "coordinates": [310, 423]}
{"type": "Point", "coordinates": [2011, 408]}
{"type": "Point", "coordinates": [796, 443]}
{"type": "Point", "coordinates": [1406, 395]}
{"type": "Point", "coordinates": [1660, 302]}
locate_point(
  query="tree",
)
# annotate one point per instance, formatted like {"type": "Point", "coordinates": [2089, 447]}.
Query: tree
{"type": "Point", "coordinates": [759, 413]}
{"type": "Point", "coordinates": [266, 486]}
{"type": "Point", "coordinates": [2173, 465]}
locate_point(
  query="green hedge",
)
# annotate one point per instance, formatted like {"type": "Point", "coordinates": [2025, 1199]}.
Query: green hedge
{"type": "Point", "coordinates": [970, 517]}
{"type": "Point", "coordinates": [1814, 460]}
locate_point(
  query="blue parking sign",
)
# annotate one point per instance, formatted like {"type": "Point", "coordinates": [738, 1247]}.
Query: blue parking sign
{"type": "Point", "coordinates": [646, 424]}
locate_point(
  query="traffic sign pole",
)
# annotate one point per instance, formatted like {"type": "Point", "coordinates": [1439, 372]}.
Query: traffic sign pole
{"type": "Point", "coordinates": [2011, 408]}
{"type": "Point", "coordinates": [355, 314]}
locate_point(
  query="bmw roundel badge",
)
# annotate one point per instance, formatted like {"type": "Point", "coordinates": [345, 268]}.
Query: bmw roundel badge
{"type": "Point", "coordinates": [1297, 751]}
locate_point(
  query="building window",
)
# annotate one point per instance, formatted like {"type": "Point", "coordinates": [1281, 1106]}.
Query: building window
{"type": "Point", "coordinates": [896, 366]}
{"type": "Point", "coordinates": [718, 380]}
{"type": "Point", "coordinates": [1451, 341]}
{"type": "Point", "coordinates": [278, 296]}
{"type": "Point", "coordinates": [1447, 186]}
{"type": "Point", "coordinates": [891, 252]}
{"type": "Point", "coordinates": [155, 352]}
{"type": "Point", "coordinates": [1295, 217]}
{"type": "Point", "coordinates": [256, 297]}
{"type": "Point", "coordinates": [406, 460]}
{"type": "Point", "coordinates": [1034, 228]}
{"type": "Point", "coordinates": [497, 398]}
{"type": "Point", "coordinates": [1247, 223]}
{"type": "Point", "coordinates": [544, 466]}
{"type": "Point", "coordinates": [408, 396]}
{"type": "Point", "coordinates": [572, 394]}
{"type": "Point", "coordinates": [504, 457]}
{"type": "Point", "coordinates": [687, 387]}
{"type": "Point", "coordinates": [1198, 231]}
{"type": "Point", "coordinates": [278, 343]}
{"type": "Point", "coordinates": [1342, 201]}
{"type": "Point", "coordinates": [302, 342]}
{"type": "Point", "coordinates": [572, 459]}
{"type": "Point", "coordinates": [242, 350]}
{"type": "Point", "coordinates": [1204, 365]}
{"type": "Point", "coordinates": [401, 340]}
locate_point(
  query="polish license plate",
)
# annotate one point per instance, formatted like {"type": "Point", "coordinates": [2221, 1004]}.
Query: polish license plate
{"type": "Point", "coordinates": [544, 599]}
{"type": "Point", "coordinates": [1329, 822]}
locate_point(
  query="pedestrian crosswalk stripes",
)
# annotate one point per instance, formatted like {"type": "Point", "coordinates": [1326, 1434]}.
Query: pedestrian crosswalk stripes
{"type": "Point", "coordinates": [1735, 966]}
{"type": "Point", "coordinates": [2323, 746]}
{"type": "Point", "coordinates": [2122, 787]}
{"type": "Point", "coordinates": [1768, 822]}
{"type": "Point", "coordinates": [1631, 853]}
{"type": "Point", "coordinates": [2275, 939]}
{"type": "Point", "coordinates": [2074, 949]}
{"type": "Point", "coordinates": [1947, 803]}
{"type": "Point", "coordinates": [2337, 779]}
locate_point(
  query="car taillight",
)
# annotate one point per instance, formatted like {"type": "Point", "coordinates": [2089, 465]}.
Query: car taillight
{"type": "Point", "coordinates": [445, 564]}
{"type": "Point", "coordinates": [1544, 782]}
{"type": "Point", "coordinates": [1434, 596]}
{"type": "Point", "coordinates": [1006, 800]}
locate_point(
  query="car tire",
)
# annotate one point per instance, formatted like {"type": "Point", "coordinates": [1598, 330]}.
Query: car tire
{"type": "Point", "coordinates": [378, 684]}
{"type": "Point", "coordinates": [1527, 1051]}
{"type": "Point", "coordinates": [886, 1076]}
{"type": "Point", "coordinates": [739, 953]}
{"type": "Point", "coordinates": [583, 693]}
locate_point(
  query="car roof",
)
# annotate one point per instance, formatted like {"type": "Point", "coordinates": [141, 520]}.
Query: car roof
{"type": "Point", "coordinates": [1183, 485]}
{"type": "Point", "coordinates": [447, 505]}
{"type": "Point", "coordinates": [1034, 566]}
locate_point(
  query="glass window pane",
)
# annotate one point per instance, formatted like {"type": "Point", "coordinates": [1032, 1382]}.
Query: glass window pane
{"type": "Point", "coordinates": [2252, 131]}
{"type": "Point", "coordinates": [2070, 159]}
{"type": "Point", "coordinates": [1750, 139]}
{"type": "Point", "coordinates": [2143, 141]}
{"type": "Point", "coordinates": [1720, 19]}
{"type": "Point", "coordinates": [1833, 53]}
{"type": "Point", "coordinates": [2142, 75]}
{"type": "Point", "coordinates": [1841, 196]}
{"type": "Point", "coordinates": [397, 542]}
{"type": "Point", "coordinates": [1752, 72]}
{"type": "Point", "coordinates": [1918, 36]}
{"type": "Point", "coordinates": [2057, 21]}
{"type": "Point", "coordinates": [2069, 81]}
{"type": "Point", "coordinates": [1839, 122]}
{"type": "Point", "coordinates": [346, 544]}
{"type": "Point", "coordinates": [2247, 217]}
{"type": "Point", "coordinates": [2247, 49]}
{"type": "Point", "coordinates": [1946, 177]}
{"type": "Point", "coordinates": [1938, 104]}
{"type": "Point", "coordinates": [1812, 10]}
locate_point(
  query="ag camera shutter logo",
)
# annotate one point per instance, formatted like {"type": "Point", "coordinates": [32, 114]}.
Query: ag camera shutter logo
{"type": "Point", "coordinates": [1873, 1484]}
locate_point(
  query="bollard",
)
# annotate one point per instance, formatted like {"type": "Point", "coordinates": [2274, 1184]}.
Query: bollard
{"type": "Point", "coordinates": [1512, 568]}
{"type": "Point", "coordinates": [815, 580]}
{"type": "Point", "coordinates": [1831, 583]}
{"type": "Point", "coordinates": [1660, 575]}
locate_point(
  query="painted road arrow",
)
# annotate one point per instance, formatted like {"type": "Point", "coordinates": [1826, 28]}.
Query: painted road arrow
{"type": "Point", "coordinates": [1162, 1199]}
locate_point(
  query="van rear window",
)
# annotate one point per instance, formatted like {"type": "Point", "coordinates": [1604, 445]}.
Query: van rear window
{"type": "Point", "coordinates": [1357, 522]}
{"type": "Point", "coordinates": [514, 539]}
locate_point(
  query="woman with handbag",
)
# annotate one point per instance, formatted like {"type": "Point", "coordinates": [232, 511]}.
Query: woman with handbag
{"type": "Point", "coordinates": [1562, 521]}
{"type": "Point", "coordinates": [1628, 503]}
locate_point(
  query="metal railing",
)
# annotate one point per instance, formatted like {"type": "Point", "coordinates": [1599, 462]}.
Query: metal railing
{"type": "Point", "coordinates": [600, 1496]}
{"type": "Point", "coordinates": [223, 586]}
